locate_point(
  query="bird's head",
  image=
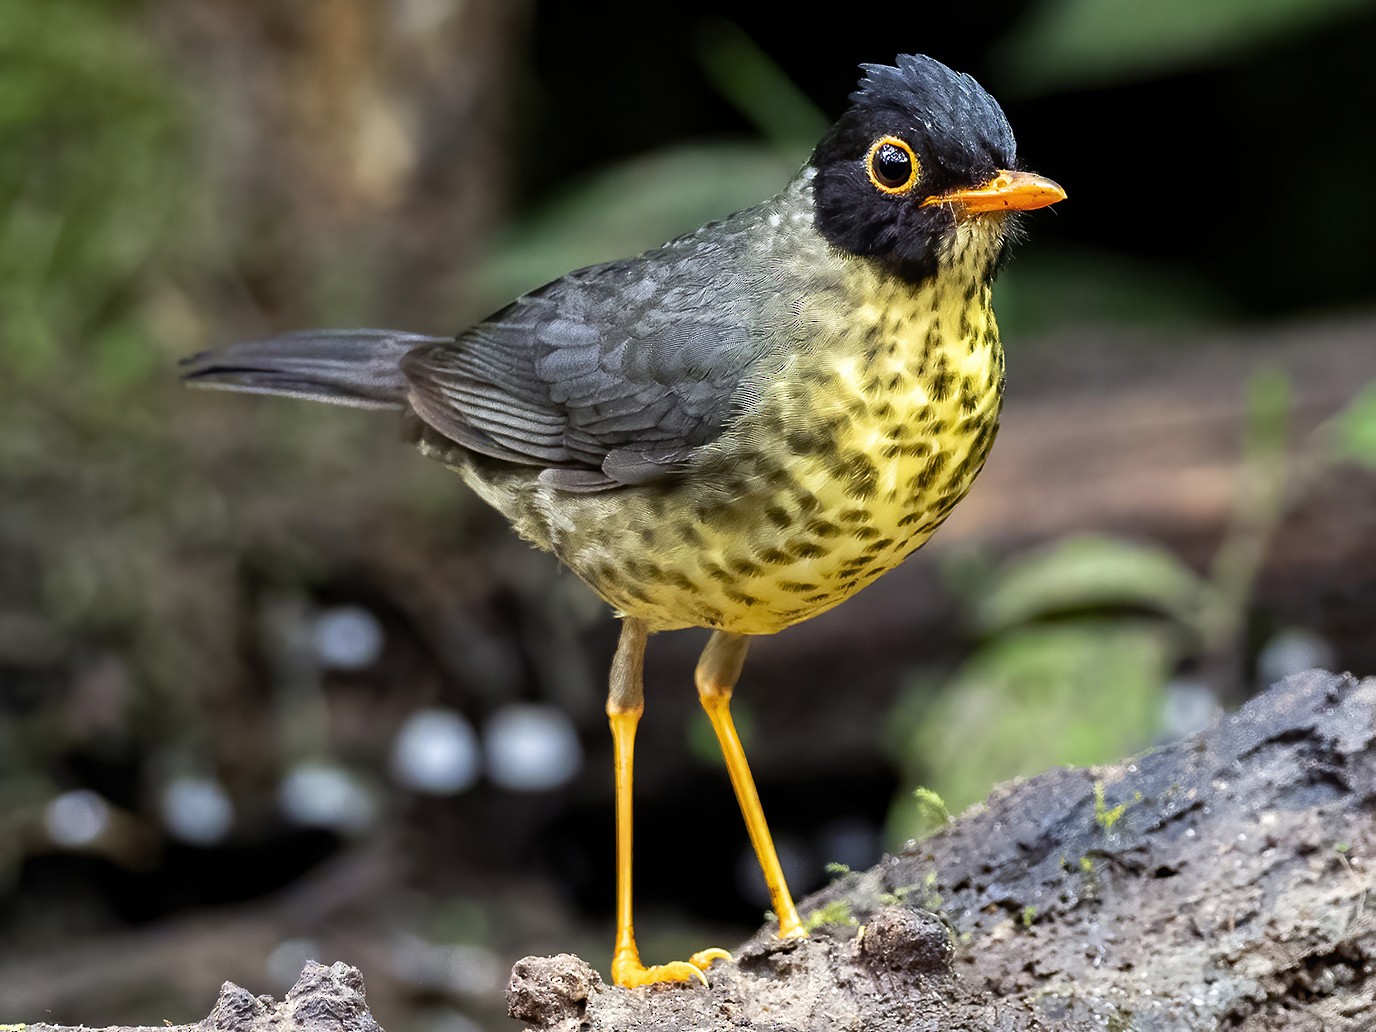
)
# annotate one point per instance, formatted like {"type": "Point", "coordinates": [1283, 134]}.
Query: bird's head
{"type": "Point", "coordinates": [919, 168]}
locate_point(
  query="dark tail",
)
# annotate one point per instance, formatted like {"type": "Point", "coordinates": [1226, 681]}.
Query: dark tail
{"type": "Point", "coordinates": [343, 367]}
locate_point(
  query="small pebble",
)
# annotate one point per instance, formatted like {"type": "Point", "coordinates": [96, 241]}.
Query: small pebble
{"type": "Point", "coordinates": [902, 939]}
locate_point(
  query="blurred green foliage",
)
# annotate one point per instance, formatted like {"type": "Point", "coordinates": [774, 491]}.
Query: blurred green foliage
{"type": "Point", "coordinates": [1087, 573]}
{"type": "Point", "coordinates": [627, 208]}
{"type": "Point", "coordinates": [1353, 432]}
{"type": "Point", "coordinates": [92, 189]}
{"type": "Point", "coordinates": [93, 185]}
{"type": "Point", "coordinates": [756, 86]}
{"type": "Point", "coordinates": [1079, 639]}
{"type": "Point", "coordinates": [1077, 692]}
{"type": "Point", "coordinates": [118, 545]}
{"type": "Point", "coordinates": [632, 205]}
{"type": "Point", "coordinates": [1076, 42]}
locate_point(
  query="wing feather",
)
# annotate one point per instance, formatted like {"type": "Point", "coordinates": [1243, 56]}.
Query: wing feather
{"type": "Point", "coordinates": [615, 374]}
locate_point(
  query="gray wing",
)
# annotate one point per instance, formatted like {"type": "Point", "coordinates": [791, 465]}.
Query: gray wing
{"type": "Point", "coordinates": [614, 374]}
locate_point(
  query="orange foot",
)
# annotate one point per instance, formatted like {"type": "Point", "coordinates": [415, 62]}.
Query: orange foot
{"type": "Point", "coordinates": [629, 972]}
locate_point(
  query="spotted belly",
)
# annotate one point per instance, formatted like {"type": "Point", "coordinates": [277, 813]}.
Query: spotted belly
{"type": "Point", "coordinates": [788, 517]}
{"type": "Point", "coordinates": [852, 456]}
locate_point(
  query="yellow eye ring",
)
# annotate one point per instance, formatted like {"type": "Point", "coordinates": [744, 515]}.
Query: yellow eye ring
{"type": "Point", "coordinates": [892, 166]}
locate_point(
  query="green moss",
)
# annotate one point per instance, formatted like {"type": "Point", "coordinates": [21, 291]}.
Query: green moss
{"type": "Point", "coordinates": [931, 810]}
{"type": "Point", "coordinates": [837, 912]}
{"type": "Point", "coordinates": [931, 899]}
{"type": "Point", "coordinates": [897, 897]}
{"type": "Point", "coordinates": [1104, 815]}
{"type": "Point", "coordinates": [1029, 915]}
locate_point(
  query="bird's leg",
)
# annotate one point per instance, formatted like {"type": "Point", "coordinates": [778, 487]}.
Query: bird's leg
{"type": "Point", "coordinates": [717, 673]}
{"type": "Point", "coordinates": [625, 703]}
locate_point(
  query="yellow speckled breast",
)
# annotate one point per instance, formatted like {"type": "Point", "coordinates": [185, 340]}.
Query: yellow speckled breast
{"type": "Point", "coordinates": [855, 450]}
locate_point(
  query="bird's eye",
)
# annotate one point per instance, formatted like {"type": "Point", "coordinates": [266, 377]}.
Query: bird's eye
{"type": "Point", "coordinates": [892, 165]}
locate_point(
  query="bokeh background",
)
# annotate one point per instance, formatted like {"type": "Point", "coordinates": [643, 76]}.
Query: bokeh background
{"type": "Point", "coordinates": [272, 686]}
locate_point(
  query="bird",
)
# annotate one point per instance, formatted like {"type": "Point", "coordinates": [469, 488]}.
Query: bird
{"type": "Point", "coordinates": [737, 430]}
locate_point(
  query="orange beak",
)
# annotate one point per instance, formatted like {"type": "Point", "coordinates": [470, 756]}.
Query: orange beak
{"type": "Point", "coordinates": [1007, 191]}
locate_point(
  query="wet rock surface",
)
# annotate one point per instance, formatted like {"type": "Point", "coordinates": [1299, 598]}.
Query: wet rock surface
{"type": "Point", "coordinates": [324, 999]}
{"type": "Point", "coordinates": [1218, 882]}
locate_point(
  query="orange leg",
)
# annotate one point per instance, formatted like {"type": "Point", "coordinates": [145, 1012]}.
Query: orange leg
{"type": "Point", "coordinates": [625, 703]}
{"type": "Point", "coordinates": [717, 673]}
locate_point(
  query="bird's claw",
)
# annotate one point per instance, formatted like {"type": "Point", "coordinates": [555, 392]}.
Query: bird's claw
{"type": "Point", "coordinates": [703, 959]}
{"type": "Point", "coordinates": [629, 973]}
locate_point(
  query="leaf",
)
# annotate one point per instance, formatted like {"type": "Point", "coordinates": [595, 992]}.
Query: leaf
{"type": "Point", "coordinates": [1078, 693]}
{"type": "Point", "coordinates": [1065, 43]}
{"type": "Point", "coordinates": [630, 207]}
{"type": "Point", "coordinates": [747, 77]}
{"type": "Point", "coordinates": [1090, 573]}
{"type": "Point", "coordinates": [1354, 429]}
